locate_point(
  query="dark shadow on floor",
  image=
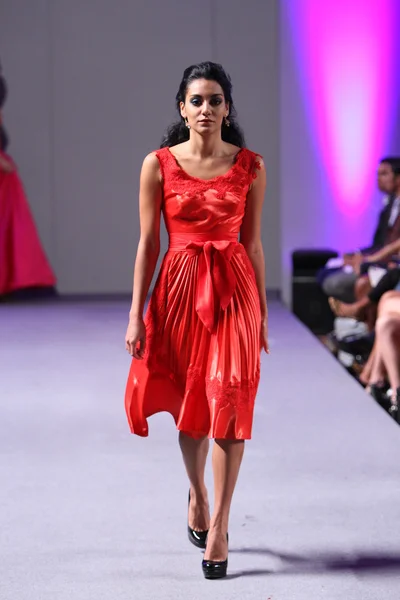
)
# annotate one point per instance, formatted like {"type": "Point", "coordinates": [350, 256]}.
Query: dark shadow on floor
{"type": "Point", "coordinates": [322, 562]}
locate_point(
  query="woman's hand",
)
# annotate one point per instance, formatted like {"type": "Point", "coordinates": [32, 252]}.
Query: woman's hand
{"type": "Point", "coordinates": [264, 334]}
{"type": "Point", "coordinates": [358, 260]}
{"type": "Point", "coordinates": [355, 260]}
{"type": "Point", "coordinates": [135, 338]}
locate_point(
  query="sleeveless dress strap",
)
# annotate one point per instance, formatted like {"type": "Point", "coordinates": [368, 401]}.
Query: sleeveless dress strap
{"type": "Point", "coordinates": [163, 156]}
{"type": "Point", "coordinates": [256, 165]}
{"type": "Point", "coordinates": [251, 163]}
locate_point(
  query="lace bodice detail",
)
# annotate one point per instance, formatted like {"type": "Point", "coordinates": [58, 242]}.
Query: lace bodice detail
{"type": "Point", "coordinates": [193, 205]}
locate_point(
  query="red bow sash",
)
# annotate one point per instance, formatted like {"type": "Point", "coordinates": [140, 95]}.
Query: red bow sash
{"type": "Point", "coordinates": [216, 280]}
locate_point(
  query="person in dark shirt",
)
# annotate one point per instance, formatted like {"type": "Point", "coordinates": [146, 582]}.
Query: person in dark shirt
{"type": "Point", "coordinates": [340, 282]}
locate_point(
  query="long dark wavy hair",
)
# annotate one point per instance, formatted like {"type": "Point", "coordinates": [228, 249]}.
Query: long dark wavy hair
{"type": "Point", "coordinates": [178, 132]}
{"type": "Point", "coordinates": [4, 140]}
{"type": "Point", "coordinates": [3, 89]}
{"type": "Point", "coordinates": [3, 96]}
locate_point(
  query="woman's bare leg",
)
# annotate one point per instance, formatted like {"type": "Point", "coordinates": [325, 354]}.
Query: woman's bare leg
{"type": "Point", "coordinates": [377, 373]}
{"type": "Point", "coordinates": [388, 336]}
{"type": "Point", "coordinates": [194, 454]}
{"type": "Point", "coordinates": [365, 375]}
{"type": "Point", "coordinates": [389, 302]}
{"type": "Point", "coordinates": [227, 458]}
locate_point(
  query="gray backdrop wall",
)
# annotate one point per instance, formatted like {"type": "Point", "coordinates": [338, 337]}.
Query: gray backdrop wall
{"type": "Point", "coordinates": [91, 88]}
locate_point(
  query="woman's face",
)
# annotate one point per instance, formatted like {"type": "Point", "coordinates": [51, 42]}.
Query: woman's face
{"type": "Point", "coordinates": [204, 106]}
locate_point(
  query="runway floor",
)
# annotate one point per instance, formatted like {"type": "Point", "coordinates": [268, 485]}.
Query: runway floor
{"type": "Point", "coordinates": [90, 512]}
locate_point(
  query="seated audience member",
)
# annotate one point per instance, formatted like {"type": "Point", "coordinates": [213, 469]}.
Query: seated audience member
{"type": "Point", "coordinates": [389, 281]}
{"type": "Point", "coordinates": [384, 368]}
{"type": "Point", "coordinates": [340, 282]}
{"type": "Point", "coordinates": [23, 263]}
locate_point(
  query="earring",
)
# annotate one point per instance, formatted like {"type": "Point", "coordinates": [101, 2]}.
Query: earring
{"type": "Point", "coordinates": [187, 123]}
{"type": "Point", "coordinates": [227, 122]}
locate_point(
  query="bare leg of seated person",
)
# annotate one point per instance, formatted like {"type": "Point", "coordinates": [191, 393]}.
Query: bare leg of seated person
{"type": "Point", "coordinates": [365, 306]}
{"type": "Point", "coordinates": [374, 371]}
{"type": "Point", "coordinates": [356, 310]}
{"type": "Point", "coordinates": [365, 376]}
{"type": "Point", "coordinates": [377, 375]}
{"type": "Point", "coordinates": [388, 344]}
{"type": "Point", "coordinates": [378, 386]}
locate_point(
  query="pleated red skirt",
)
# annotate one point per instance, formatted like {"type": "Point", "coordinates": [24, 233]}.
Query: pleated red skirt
{"type": "Point", "coordinates": [202, 362]}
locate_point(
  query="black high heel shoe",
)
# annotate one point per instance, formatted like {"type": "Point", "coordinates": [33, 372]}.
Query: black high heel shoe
{"type": "Point", "coordinates": [380, 394]}
{"type": "Point", "coordinates": [394, 410]}
{"type": "Point", "coordinates": [197, 538]}
{"type": "Point", "coordinates": [215, 569]}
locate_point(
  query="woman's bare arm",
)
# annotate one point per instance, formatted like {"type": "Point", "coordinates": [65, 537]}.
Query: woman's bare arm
{"type": "Point", "coordinates": [150, 199]}
{"type": "Point", "coordinates": [250, 237]}
{"type": "Point", "coordinates": [385, 252]}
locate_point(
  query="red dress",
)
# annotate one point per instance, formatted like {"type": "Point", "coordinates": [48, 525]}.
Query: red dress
{"type": "Point", "coordinates": [202, 359]}
{"type": "Point", "coordinates": [23, 263]}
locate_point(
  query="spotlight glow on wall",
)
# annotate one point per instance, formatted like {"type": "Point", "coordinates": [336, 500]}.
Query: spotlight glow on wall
{"type": "Point", "coordinates": [345, 53]}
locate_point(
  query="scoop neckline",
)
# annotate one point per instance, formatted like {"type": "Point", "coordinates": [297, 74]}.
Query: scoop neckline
{"type": "Point", "coordinates": [235, 161]}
